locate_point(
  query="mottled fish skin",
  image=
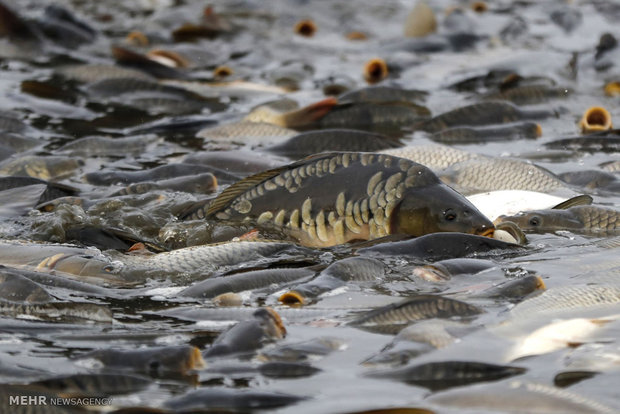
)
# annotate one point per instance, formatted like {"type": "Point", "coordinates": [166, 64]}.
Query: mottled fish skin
{"type": "Point", "coordinates": [434, 156]}
{"type": "Point", "coordinates": [490, 174]}
{"type": "Point", "coordinates": [485, 113]}
{"type": "Point", "coordinates": [374, 116]}
{"type": "Point", "coordinates": [207, 257]}
{"type": "Point", "coordinates": [468, 135]}
{"type": "Point", "coordinates": [314, 202]}
{"type": "Point", "coordinates": [396, 316]}
{"type": "Point", "coordinates": [582, 219]}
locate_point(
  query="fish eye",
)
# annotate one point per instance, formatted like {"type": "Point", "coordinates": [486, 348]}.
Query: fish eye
{"type": "Point", "coordinates": [535, 221]}
{"type": "Point", "coordinates": [108, 268]}
{"type": "Point", "coordinates": [449, 215]}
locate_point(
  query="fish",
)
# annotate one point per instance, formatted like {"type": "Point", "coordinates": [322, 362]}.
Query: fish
{"type": "Point", "coordinates": [204, 258]}
{"type": "Point", "coordinates": [480, 114]}
{"type": "Point", "coordinates": [17, 288]}
{"type": "Point", "coordinates": [335, 275]}
{"type": "Point", "coordinates": [252, 280]}
{"type": "Point", "coordinates": [325, 140]}
{"type": "Point", "coordinates": [394, 317]}
{"type": "Point", "coordinates": [158, 173]}
{"type": "Point", "coordinates": [247, 336]}
{"type": "Point", "coordinates": [391, 196]}
{"type": "Point", "coordinates": [235, 162]}
{"type": "Point", "coordinates": [154, 361]}
{"type": "Point", "coordinates": [581, 219]}
{"type": "Point", "coordinates": [286, 113]}
{"type": "Point", "coordinates": [383, 94]}
{"type": "Point", "coordinates": [470, 135]}
{"type": "Point", "coordinates": [517, 289]}
{"type": "Point", "coordinates": [58, 311]}
{"type": "Point", "coordinates": [439, 246]}
{"type": "Point", "coordinates": [509, 202]}
{"type": "Point", "coordinates": [438, 376]}
{"type": "Point", "coordinates": [600, 181]}
{"type": "Point", "coordinates": [517, 397]}
{"type": "Point", "coordinates": [230, 400]}
{"type": "Point", "coordinates": [491, 174]}
{"type": "Point", "coordinates": [91, 73]}
{"type": "Point", "coordinates": [95, 385]}
{"type": "Point", "coordinates": [528, 94]}
{"type": "Point", "coordinates": [435, 156]}
{"type": "Point", "coordinates": [555, 335]}
{"type": "Point", "coordinates": [302, 351]}
{"type": "Point", "coordinates": [42, 167]}
{"type": "Point", "coordinates": [373, 117]}
{"type": "Point", "coordinates": [444, 270]}
{"type": "Point", "coordinates": [203, 183]}
{"type": "Point", "coordinates": [247, 132]}
{"type": "Point", "coordinates": [421, 21]}
{"type": "Point", "coordinates": [282, 369]}
{"type": "Point", "coordinates": [106, 147]}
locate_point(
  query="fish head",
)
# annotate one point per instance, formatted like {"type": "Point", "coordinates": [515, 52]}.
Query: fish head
{"type": "Point", "coordinates": [543, 220]}
{"type": "Point", "coordinates": [437, 209]}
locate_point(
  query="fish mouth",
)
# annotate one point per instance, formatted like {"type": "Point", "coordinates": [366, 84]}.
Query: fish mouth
{"type": "Point", "coordinates": [486, 232]}
{"type": "Point", "coordinates": [292, 297]}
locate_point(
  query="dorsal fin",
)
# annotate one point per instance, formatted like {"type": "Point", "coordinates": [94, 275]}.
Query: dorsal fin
{"type": "Point", "coordinates": [580, 200]}
{"type": "Point", "coordinates": [229, 194]}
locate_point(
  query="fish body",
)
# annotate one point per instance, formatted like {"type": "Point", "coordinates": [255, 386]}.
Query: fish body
{"type": "Point", "coordinates": [583, 219]}
{"type": "Point", "coordinates": [382, 94]}
{"type": "Point", "coordinates": [434, 156]}
{"type": "Point", "coordinates": [480, 114]}
{"type": "Point", "coordinates": [529, 94]}
{"type": "Point", "coordinates": [469, 135]}
{"type": "Point", "coordinates": [338, 197]}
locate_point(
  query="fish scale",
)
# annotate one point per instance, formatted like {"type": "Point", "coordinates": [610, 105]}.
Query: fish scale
{"type": "Point", "coordinates": [338, 197]}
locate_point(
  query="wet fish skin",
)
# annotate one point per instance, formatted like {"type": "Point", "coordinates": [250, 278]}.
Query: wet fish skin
{"type": "Point", "coordinates": [58, 311]}
{"type": "Point", "coordinates": [158, 173]}
{"type": "Point", "coordinates": [434, 156]}
{"type": "Point", "coordinates": [53, 190]}
{"type": "Point", "coordinates": [391, 196]}
{"type": "Point", "coordinates": [228, 400]}
{"type": "Point", "coordinates": [302, 351]}
{"type": "Point", "coordinates": [383, 94]}
{"type": "Point", "coordinates": [370, 116]}
{"type": "Point", "coordinates": [91, 73]}
{"type": "Point", "coordinates": [586, 219]}
{"type": "Point", "coordinates": [17, 288]}
{"type": "Point", "coordinates": [443, 375]}
{"type": "Point", "coordinates": [203, 183]}
{"type": "Point", "coordinates": [246, 131]}
{"type": "Point", "coordinates": [485, 113]}
{"type": "Point", "coordinates": [469, 135]}
{"type": "Point", "coordinates": [396, 316]}
{"type": "Point", "coordinates": [520, 396]}
{"type": "Point", "coordinates": [251, 280]}
{"type": "Point", "coordinates": [95, 385]}
{"type": "Point", "coordinates": [439, 246]}
{"type": "Point", "coordinates": [443, 270]}
{"type": "Point", "coordinates": [206, 257]}
{"type": "Point", "coordinates": [248, 336]}
{"type": "Point", "coordinates": [45, 168]}
{"type": "Point", "coordinates": [279, 369]}
{"type": "Point", "coordinates": [336, 139]}
{"type": "Point", "coordinates": [529, 94]}
{"type": "Point", "coordinates": [490, 174]}
{"type": "Point", "coordinates": [154, 361]}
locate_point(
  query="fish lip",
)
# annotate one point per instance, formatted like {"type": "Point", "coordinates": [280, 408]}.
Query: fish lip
{"type": "Point", "coordinates": [486, 232]}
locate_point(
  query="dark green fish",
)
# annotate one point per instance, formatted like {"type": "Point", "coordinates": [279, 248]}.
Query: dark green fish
{"type": "Point", "coordinates": [158, 173]}
{"type": "Point", "coordinates": [106, 147]}
{"type": "Point", "coordinates": [257, 279]}
{"type": "Point", "coordinates": [468, 135]}
{"type": "Point", "coordinates": [338, 197]}
{"type": "Point", "coordinates": [229, 400]}
{"type": "Point", "coordinates": [444, 270]}
{"type": "Point", "coordinates": [443, 375]}
{"type": "Point", "coordinates": [313, 142]}
{"type": "Point", "coordinates": [480, 114]}
{"type": "Point", "coordinates": [281, 369]}
{"type": "Point", "coordinates": [441, 246]}
{"type": "Point", "coordinates": [383, 94]}
{"type": "Point", "coordinates": [95, 385]}
{"type": "Point", "coordinates": [248, 336]}
{"type": "Point", "coordinates": [396, 316]}
{"type": "Point", "coordinates": [582, 219]}
{"type": "Point", "coordinates": [605, 141]}
{"type": "Point", "coordinates": [154, 361]}
{"type": "Point", "coordinates": [528, 94]}
{"type": "Point", "coordinates": [371, 116]}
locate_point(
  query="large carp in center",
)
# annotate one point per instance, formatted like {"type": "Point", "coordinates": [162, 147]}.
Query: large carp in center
{"type": "Point", "coordinates": [333, 198]}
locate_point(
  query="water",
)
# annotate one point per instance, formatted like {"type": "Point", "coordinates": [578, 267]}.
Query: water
{"type": "Point", "coordinates": [261, 42]}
